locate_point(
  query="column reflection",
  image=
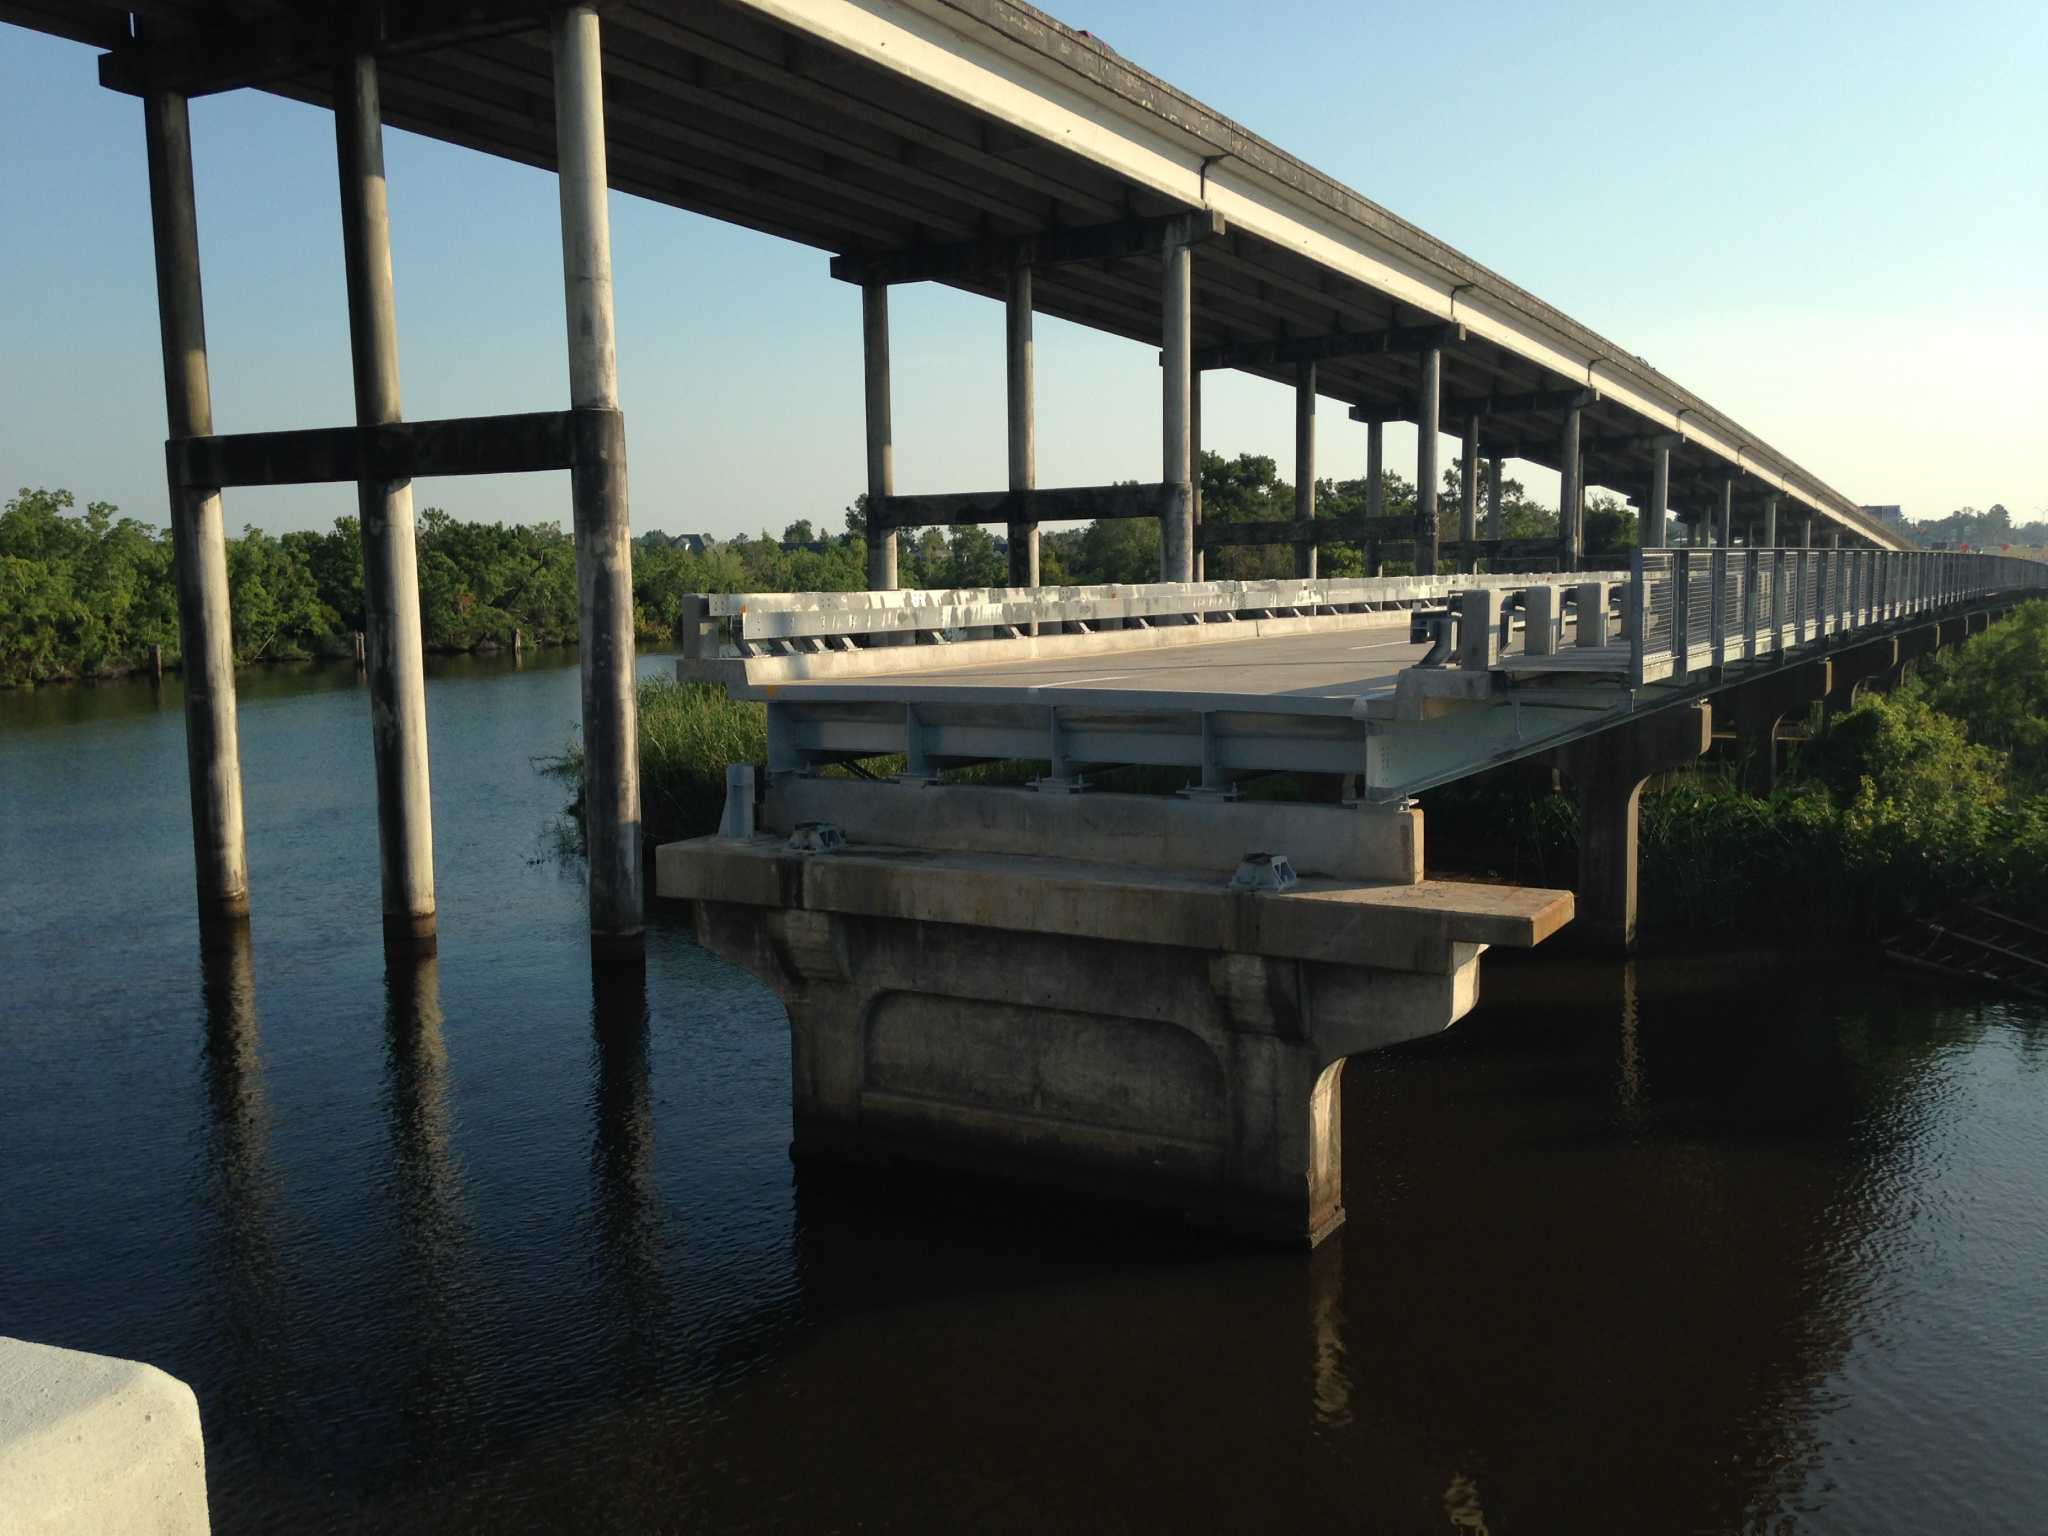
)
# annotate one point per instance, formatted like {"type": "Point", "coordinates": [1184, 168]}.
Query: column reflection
{"type": "Point", "coordinates": [427, 1184]}
{"type": "Point", "coordinates": [250, 1324]}
{"type": "Point", "coordinates": [628, 1209]}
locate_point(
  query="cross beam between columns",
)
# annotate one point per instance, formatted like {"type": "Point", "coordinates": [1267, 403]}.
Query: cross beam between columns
{"type": "Point", "coordinates": [398, 450]}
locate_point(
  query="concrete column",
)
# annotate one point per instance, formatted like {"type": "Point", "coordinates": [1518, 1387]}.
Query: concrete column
{"type": "Point", "coordinates": [1724, 519]}
{"type": "Point", "coordinates": [1426, 425]}
{"type": "Point", "coordinates": [1495, 516]}
{"type": "Point", "coordinates": [874, 342]}
{"type": "Point", "coordinates": [1305, 468]}
{"type": "Point", "coordinates": [1468, 488]}
{"type": "Point", "coordinates": [604, 551]}
{"type": "Point", "coordinates": [1375, 492]}
{"type": "Point", "coordinates": [1650, 533]}
{"type": "Point", "coordinates": [1195, 458]}
{"type": "Point", "coordinates": [392, 651]}
{"type": "Point", "coordinates": [1771, 522]}
{"type": "Point", "coordinates": [1177, 288]}
{"type": "Point", "coordinates": [1608, 772]}
{"type": "Point", "coordinates": [1023, 427]}
{"type": "Point", "coordinates": [1570, 545]}
{"type": "Point", "coordinates": [213, 758]}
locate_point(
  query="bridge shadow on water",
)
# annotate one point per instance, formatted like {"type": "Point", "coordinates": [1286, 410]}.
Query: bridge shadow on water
{"type": "Point", "coordinates": [1609, 1242]}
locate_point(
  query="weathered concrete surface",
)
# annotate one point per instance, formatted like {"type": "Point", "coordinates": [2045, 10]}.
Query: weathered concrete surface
{"type": "Point", "coordinates": [1146, 832]}
{"type": "Point", "coordinates": [92, 1445]}
{"type": "Point", "coordinates": [1088, 1022]}
{"type": "Point", "coordinates": [1758, 708]}
{"type": "Point", "coordinates": [1609, 770]}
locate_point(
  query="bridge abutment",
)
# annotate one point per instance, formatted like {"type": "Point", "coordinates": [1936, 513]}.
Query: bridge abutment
{"type": "Point", "coordinates": [1116, 1023]}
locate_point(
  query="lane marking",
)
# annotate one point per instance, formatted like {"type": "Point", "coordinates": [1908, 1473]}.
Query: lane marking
{"type": "Point", "coordinates": [1388, 645]}
{"type": "Point", "coordinates": [1075, 682]}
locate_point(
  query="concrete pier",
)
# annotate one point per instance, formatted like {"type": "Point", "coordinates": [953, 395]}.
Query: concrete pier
{"type": "Point", "coordinates": [881, 445]}
{"type": "Point", "coordinates": [1570, 538]}
{"type": "Point", "coordinates": [1305, 470]}
{"type": "Point", "coordinates": [1608, 771]}
{"type": "Point", "coordinates": [604, 553]}
{"type": "Point", "coordinates": [394, 656]}
{"type": "Point", "coordinates": [1023, 430]}
{"type": "Point", "coordinates": [1176, 416]}
{"type": "Point", "coordinates": [1656, 512]}
{"type": "Point", "coordinates": [1069, 992]}
{"type": "Point", "coordinates": [213, 757]}
{"type": "Point", "coordinates": [1468, 488]}
{"type": "Point", "coordinates": [1428, 405]}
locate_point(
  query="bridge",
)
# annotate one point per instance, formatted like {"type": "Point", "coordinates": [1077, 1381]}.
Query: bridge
{"type": "Point", "coordinates": [1148, 993]}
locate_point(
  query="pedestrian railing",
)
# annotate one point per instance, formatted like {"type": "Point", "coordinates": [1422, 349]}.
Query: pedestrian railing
{"type": "Point", "coordinates": [1689, 610]}
{"type": "Point", "coordinates": [766, 624]}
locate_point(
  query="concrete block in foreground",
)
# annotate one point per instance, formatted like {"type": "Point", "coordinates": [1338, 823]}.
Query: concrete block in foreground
{"type": "Point", "coordinates": [92, 1445]}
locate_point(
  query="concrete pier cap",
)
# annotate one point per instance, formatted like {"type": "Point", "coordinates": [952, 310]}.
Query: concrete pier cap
{"type": "Point", "coordinates": [1100, 994]}
{"type": "Point", "coordinates": [91, 1445]}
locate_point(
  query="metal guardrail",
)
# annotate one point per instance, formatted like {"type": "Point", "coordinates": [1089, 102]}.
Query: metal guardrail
{"type": "Point", "coordinates": [1689, 610]}
{"type": "Point", "coordinates": [750, 624]}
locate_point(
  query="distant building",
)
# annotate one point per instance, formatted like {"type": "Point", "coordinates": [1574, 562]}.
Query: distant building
{"type": "Point", "coordinates": [693, 542]}
{"type": "Point", "coordinates": [1894, 515]}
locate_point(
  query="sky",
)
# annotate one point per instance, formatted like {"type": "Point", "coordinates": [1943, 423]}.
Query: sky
{"type": "Point", "coordinates": [1830, 220]}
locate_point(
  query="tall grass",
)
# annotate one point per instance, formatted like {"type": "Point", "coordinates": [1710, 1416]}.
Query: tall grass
{"type": "Point", "coordinates": [689, 733]}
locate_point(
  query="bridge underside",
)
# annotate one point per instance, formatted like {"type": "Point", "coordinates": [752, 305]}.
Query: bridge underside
{"type": "Point", "coordinates": [940, 140]}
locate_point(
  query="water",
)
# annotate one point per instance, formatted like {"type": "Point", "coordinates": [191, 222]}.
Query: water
{"type": "Point", "coordinates": [1733, 1243]}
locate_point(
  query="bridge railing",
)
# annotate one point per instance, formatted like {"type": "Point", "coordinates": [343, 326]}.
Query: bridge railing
{"type": "Point", "coordinates": [1689, 610]}
{"type": "Point", "coordinates": [751, 624]}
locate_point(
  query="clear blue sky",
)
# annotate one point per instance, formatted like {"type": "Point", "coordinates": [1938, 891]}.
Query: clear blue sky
{"type": "Point", "coordinates": [1831, 221]}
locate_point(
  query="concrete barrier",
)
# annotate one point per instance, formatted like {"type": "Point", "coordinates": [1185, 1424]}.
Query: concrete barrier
{"type": "Point", "coordinates": [92, 1445]}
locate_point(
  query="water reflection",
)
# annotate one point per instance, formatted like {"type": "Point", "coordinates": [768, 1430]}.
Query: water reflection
{"type": "Point", "coordinates": [628, 1201]}
{"type": "Point", "coordinates": [245, 1320]}
{"type": "Point", "coordinates": [433, 1228]}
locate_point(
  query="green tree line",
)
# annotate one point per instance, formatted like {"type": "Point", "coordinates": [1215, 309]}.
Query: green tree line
{"type": "Point", "coordinates": [86, 593]}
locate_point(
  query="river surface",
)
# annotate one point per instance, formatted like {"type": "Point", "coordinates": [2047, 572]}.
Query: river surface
{"type": "Point", "coordinates": [490, 1243]}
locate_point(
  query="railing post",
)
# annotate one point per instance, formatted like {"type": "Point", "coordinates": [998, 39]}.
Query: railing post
{"type": "Point", "coordinates": [604, 548]}
{"type": "Point", "coordinates": [1539, 621]}
{"type": "Point", "coordinates": [1636, 611]}
{"type": "Point", "coordinates": [1718, 588]}
{"type": "Point", "coordinates": [1749, 605]}
{"type": "Point", "coordinates": [1681, 613]}
{"type": "Point", "coordinates": [1777, 600]}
